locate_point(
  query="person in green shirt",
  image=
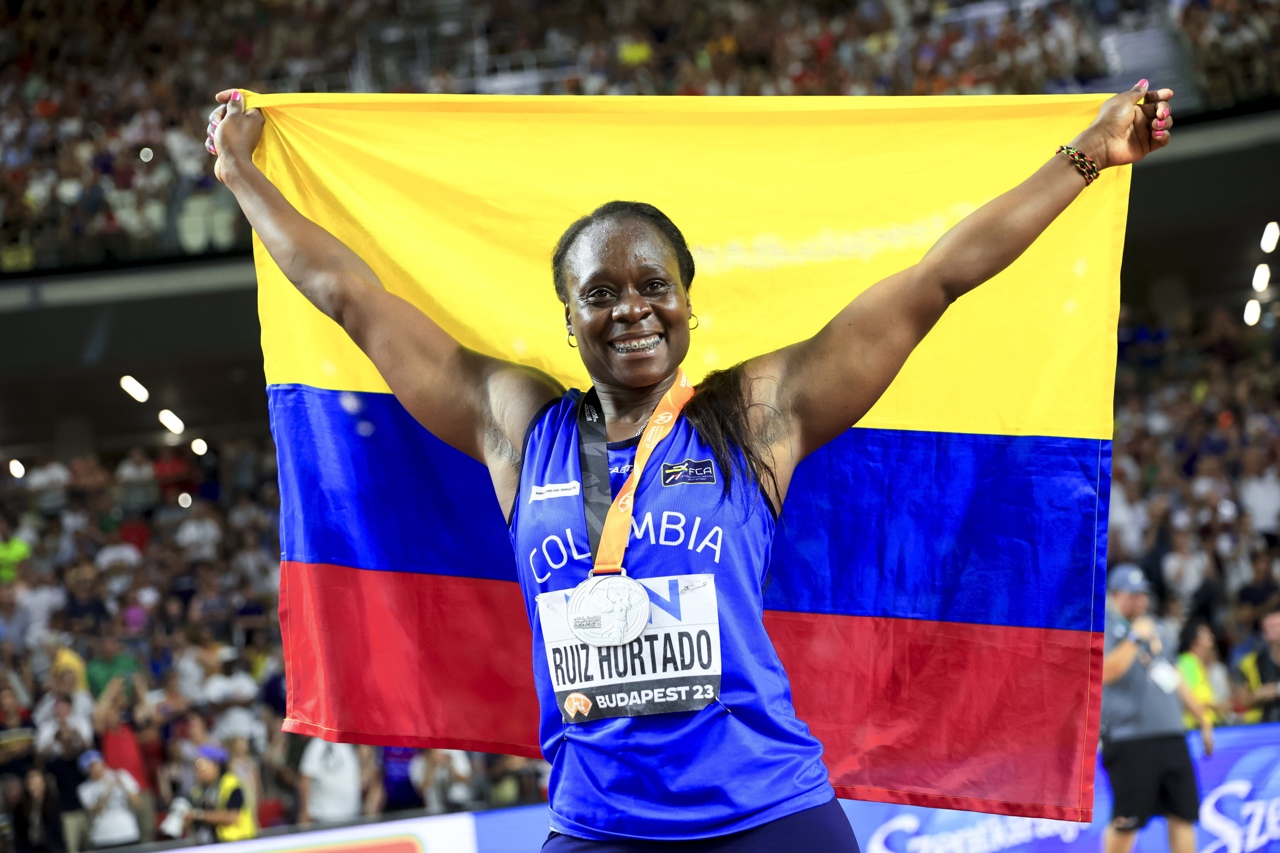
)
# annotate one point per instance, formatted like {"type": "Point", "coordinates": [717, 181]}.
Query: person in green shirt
{"type": "Point", "coordinates": [111, 661]}
{"type": "Point", "coordinates": [12, 551]}
{"type": "Point", "coordinates": [1199, 652]}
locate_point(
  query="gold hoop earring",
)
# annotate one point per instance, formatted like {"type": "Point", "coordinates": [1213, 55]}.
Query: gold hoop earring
{"type": "Point", "coordinates": [694, 318]}
{"type": "Point", "coordinates": [569, 339]}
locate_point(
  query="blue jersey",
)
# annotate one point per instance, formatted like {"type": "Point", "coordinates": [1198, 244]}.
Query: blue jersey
{"type": "Point", "coordinates": [742, 759]}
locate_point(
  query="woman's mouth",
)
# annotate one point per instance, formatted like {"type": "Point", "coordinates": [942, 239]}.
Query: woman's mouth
{"type": "Point", "coordinates": [636, 344]}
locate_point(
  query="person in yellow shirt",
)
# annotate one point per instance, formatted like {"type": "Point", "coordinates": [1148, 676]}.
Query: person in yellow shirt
{"type": "Point", "coordinates": [1199, 652]}
{"type": "Point", "coordinates": [63, 658]}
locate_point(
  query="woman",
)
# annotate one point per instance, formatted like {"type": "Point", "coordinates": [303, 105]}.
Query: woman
{"type": "Point", "coordinates": [37, 820]}
{"type": "Point", "coordinates": [1197, 660]}
{"type": "Point", "coordinates": [725, 763]}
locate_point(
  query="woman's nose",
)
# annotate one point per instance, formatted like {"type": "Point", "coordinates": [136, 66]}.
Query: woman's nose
{"type": "Point", "coordinates": [631, 308]}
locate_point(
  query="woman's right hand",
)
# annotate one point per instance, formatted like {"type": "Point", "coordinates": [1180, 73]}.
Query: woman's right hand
{"type": "Point", "coordinates": [233, 132]}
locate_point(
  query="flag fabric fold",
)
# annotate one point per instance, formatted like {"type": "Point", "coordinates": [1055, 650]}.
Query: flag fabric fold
{"type": "Point", "coordinates": [936, 587]}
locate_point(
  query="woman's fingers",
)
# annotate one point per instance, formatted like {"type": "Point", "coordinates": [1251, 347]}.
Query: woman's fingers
{"type": "Point", "coordinates": [223, 96]}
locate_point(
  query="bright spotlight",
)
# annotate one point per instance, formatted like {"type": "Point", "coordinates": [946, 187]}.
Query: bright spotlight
{"type": "Point", "coordinates": [135, 389]}
{"type": "Point", "coordinates": [1252, 311]}
{"type": "Point", "coordinates": [199, 447]}
{"type": "Point", "coordinates": [184, 500]}
{"type": "Point", "coordinates": [1270, 236]}
{"type": "Point", "coordinates": [1261, 277]}
{"type": "Point", "coordinates": [17, 469]}
{"type": "Point", "coordinates": [172, 422]}
{"type": "Point", "coordinates": [145, 155]}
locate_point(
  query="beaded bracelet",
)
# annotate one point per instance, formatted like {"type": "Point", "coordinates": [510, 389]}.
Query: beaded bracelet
{"type": "Point", "coordinates": [1083, 163]}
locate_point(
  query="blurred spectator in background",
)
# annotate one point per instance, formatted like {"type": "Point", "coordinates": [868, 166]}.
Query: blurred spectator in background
{"type": "Point", "coordinates": [109, 797]}
{"type": "Point", "coordinates": [13, 550]}
{"type": "Point", "coordinates": [1198, 665]}
{"type": "Point", "coordinates": [443, 779]}
{"type": "Point", "coordinates": [1261, 673]}
{"type": "Point", "coordinates": [329, 783]}
{"type": "Point", "coordinates": [37, 820]}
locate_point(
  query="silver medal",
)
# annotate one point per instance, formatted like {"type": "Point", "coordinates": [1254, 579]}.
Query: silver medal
{"type": "Point", "coordinates": [609, 610]}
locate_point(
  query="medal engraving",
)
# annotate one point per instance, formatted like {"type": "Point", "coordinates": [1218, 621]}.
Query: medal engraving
{"type": "Point", "coordinates": [610, 610]}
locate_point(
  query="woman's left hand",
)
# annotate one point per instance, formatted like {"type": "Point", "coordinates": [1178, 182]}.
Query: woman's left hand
{"type": "Point", "coordinates": [1129, 126]}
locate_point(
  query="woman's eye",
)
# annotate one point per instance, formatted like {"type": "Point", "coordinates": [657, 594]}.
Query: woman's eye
{"type": "Point", "coordinates": [656, 285]}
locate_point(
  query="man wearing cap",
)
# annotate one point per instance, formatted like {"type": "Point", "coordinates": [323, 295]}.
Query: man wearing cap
{"type": "Point", "coordinates": [220, 810]}
{"type": "Point", "coordinates": [109, 797]}
{"type": "Point", "coordinates": [1144, 748]}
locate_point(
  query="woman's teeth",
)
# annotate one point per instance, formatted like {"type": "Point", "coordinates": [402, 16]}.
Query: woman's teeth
{"type": "Point", "coordinates": [638, 344]}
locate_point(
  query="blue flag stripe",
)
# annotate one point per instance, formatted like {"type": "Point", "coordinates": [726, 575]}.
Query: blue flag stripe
{"type": "Point", "coordinates": [984, 529]}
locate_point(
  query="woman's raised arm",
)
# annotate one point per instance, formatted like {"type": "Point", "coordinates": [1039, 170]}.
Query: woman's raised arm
{"type": "Point", "coordinates": [822, 386]}
{"type": "Point", "coordinates": [477, 404]}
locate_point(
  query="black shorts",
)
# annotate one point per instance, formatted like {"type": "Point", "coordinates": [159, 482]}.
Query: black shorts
{"type": "Point", "coordinates": [821, 829]}
{"type": "Point", "coordinates": [1149, 777]}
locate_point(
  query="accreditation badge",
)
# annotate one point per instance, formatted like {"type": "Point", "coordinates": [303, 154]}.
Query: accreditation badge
{"type": "Point", "coordinates": [672, 664]}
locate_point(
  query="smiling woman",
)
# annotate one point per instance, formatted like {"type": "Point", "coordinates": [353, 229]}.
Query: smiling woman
{"type": "Point", "coordinates": [643, 510]}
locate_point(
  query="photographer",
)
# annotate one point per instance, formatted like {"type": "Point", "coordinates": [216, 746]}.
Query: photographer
{"type": "Point", "coordinates": [220, 808]}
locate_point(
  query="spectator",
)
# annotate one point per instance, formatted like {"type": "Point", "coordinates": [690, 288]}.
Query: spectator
{"type": "Point", "coordinates": [122, 751]}
{"type": "Point", "coordinates": [109, 797]}
{"type": "Point", "coordinates": [1260, 672]}
{"type": "Point", "coordinates": [442, 778]}
{"type": "Point", "coordinates": [116, 553]}
{"type": "Point", "coordinates": [1198, 655]}
{"type": "Point", "coordinates": [329, 783]}
{"type": "Point", "coordinates": [65, 687]}
{"type": "Point", "coordinates": [48, 481]}
{"type": "Point", "coordinates": [399, 793]}
{"type": "Point", "coordinates": [137, 480]}
{"type": "Point", "coordinates": [1185, 567]}
{"type": "Point", "coordinates": [17, 735]}
{"type": "Point", "coordinates": [37, 820]}
{"type": "Point", "coordinates": [1259, 490]}
{"type": "Point", "coordinates": [111, 664]}
{"type": "Point", "coordinates": [222, 810]}
{"type": "Point", "coordinates": [1259, 596]}
{"type": "Point", "coordinates": [13, 551]}
{"type": "Point", "coordinates": [199, 535]}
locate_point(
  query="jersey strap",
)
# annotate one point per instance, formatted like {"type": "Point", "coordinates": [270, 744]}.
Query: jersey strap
{"type": "Point", "coordinates": [609, 523]}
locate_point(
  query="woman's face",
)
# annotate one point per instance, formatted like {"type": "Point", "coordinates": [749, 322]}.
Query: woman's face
{"type": "Point", "coordinates": [35, 783]}
{"type": "Point", "coordinates": [627, 306]}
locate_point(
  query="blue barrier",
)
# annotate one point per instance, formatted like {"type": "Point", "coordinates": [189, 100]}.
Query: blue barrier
{"type": "Point", "coordinates": [1240, 813]}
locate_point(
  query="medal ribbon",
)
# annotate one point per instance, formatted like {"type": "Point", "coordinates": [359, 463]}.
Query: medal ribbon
{"type": "Point", "coordinates": [610, 535]}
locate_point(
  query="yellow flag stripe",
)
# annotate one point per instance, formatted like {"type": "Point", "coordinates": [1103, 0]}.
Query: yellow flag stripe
{"type": "Point", "coordinates": [792, 206]}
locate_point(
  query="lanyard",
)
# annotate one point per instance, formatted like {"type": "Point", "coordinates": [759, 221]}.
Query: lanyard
{"type": "Point", "coordinates": [609, 522]}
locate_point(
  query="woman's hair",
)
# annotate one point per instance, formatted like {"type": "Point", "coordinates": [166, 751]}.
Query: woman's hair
{"type": "Point", "coordinates": [719, 411]}
{"type": "Point", "coordinates": [617, 210]}
{"type": "Point", "coordinates": [1190, 632]}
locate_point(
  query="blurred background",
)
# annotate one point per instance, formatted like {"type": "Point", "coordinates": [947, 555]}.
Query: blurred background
{"type": "Point", "coordinates": [138, 507]}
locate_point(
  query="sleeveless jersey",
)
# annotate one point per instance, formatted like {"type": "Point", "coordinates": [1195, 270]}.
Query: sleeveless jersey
{"type": "Point", "coordinates": [742, 760]}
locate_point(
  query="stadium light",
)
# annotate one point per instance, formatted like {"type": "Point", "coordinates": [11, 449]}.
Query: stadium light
{"type": "Point", "coordinates": [184, 500]}
{"type": "Point", "coordinates": [1252, 311]}
{"type": "Point", "coordinates": [199, 447]}
{"type": "Point", "coordinates": [17, 469]}
{"type": "Point", "coordinates": [1261, 277]}
{"type": "Point", "coordinates": [135, 389]}
{"type": "Point", "coordinates": [1270, 236]}
{"type": "Point", "coordinates": [172, 422]}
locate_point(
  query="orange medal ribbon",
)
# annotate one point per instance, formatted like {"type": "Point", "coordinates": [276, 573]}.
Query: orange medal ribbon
{"type": "Point", "coordinates": [617, 523]}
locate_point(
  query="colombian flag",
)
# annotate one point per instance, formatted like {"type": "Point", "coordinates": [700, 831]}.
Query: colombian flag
{"type": "Point", "coordinates": [936, 591]}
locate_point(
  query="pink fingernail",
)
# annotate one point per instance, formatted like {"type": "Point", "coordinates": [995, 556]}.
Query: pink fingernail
{"type": "Point", "coordinates": [235, 96]}
{"type": "Point", "coordinates": [1142, 83]}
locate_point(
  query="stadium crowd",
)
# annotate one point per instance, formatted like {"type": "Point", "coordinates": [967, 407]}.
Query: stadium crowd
{"type": "Point", "coordinates": [101, 101]}
{"type": "Point", "coordinates": [138, 635]}
{"type": "Point", "coordinates": [138, 627]}
{"type": "Point", "coordinates": [1195, 501]}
